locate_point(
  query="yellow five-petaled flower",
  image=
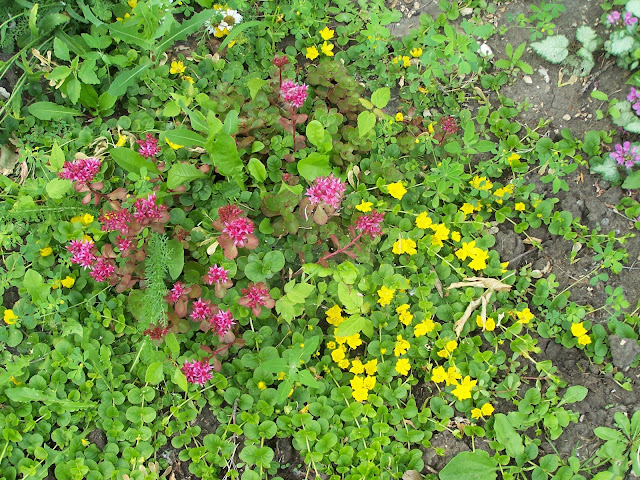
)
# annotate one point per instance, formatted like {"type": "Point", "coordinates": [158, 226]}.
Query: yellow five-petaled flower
{"type": "Point", "coordinates": [177, 67]}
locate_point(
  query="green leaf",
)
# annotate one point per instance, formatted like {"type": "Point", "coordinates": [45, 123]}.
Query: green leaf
{"type": "Point", "coordinates": [476, 465]}
{"type": "Point", "coordinates": [27, 395]}
{"type": "Point", "coordinates": [185, 137]}
{"type": "Point", "coordinates": [35, 286]}
{"type": "Point", "coordinates": [314, 165]}
{"type": "Point", "coordinates": [87, 72]}
{"type": "Point", "coordinates": [632, 182]}
{"type": "Point", "coordinates": [257, 170]}
{"type": "Point", "coordinates": [73, 87]}
{"type": "Point", "coordinates": [605, 433]}
{"type": "Point", "coordinates": [366, 121]}
{"type": "Point", "coordinates": [633, 6]}
{"type": "Point", "coordinates": [224, 154]}
{"type": "Point", "coordinates": [33, 16]}
{"type": "Point", "coordinates": [61, 50]}
{"type": "Point", "coordinates": [381, 97]}
{"type": "Point", "coordinates": [608, 169]}
{"type": "Point", "coordinates": [56, 159]}
{"type": "Point", "coordinates": [238, 29]}
{"type": "Point", "coordinates": [127, 34]}
{"type": "Point", "coordinates": [507, 436]}
{"type": "Point", "coordinates": [588, 37]}
{"type": "Point", "coordinates": [181, 31]}
{"type": "Point", "coordinates": [179, 379]}
{"type": "Point", "coordinates": [176, 262]}
{"type": "Point", "coordinates": [49, 111]}
{"type": "Point", "coordinates": [255, 84]}
{"type": "Point", "coordinates": [171, 342]}
{"type": "Point", "coordinates": [598, 95]}
{"type": "Point", "coordinates": [126, 78]}
{"type": "Point", "coordinates": [574, 394]}
{"type": "Point", "coordinates": [183, 173]}
{"type": "Point", "coordinates": [132, 161]}
{"type": "Point", "coordinates": [154, 374]}
{"type": "Point", "coordinates": [315, 132]}
{"type": "Point", "coordinates": [352, 325]}
{"type": "Point", "coordinates": [553, 48]}
{"type": "Point", "coordinates": [620, 43]}
{"type": "Point", "coordinates": [298, 293]}
{"type": "Point", "coordinates": [58, 187]}
{"type": "Point", "coordinates": [273, 262]}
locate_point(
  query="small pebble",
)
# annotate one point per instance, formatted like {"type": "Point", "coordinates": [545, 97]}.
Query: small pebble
{"type": "Point", "coordinates": [465, 12]}
{"type": "Point", "coordinates": [527, 79]}
{"type": "Point", "coordinates": [567, 117]}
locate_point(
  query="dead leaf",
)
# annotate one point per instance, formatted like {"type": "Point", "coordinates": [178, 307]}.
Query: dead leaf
{"type": "Point", "coordinates": [462, 321]}
{"type": "Point", "coordinates": [480, 282]}
{"type": "Point", "coordinates": [8, 160]}
{"type": "Point", "coordinates": [411, 475]}
{"type": "Point", "coordinates": [24, 172]}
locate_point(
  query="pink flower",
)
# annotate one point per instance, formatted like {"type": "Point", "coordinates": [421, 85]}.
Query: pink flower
{"type": "Point", "coordinates": [197, 372]}
{"type": "Point", "coordinates": [293, 94]}
{"type": "Point", "coordinates": [81, 253]}
{"type": "Point", "coordinates": [147, 209]}
{"type": "Point", "coordinates": [216, 274]}
{"type": "Point", "coordinates": [370, 224]}
{"type": "Point", "coordinates": [156, 333]}
{"type": "Point", "coordinates": [629, 19]}
{"type": "Point", "coordinates": [116, 221]}
{"type": "Point", "coordinates": [239, 230]}
{"type": "Point", "coordinates": [124, 244]}
{"type": "Point", "coordinates": [613, 17]}
{"type": "Point", "coordinates": [148, 147]}
{"type": "Point", "coordinates": [327, 190]}
{"type": "Point", "coordinates": [201, 310]}
{"type": "Point", "coordinates": [102, 270]}
{"type": "Point", "coordinates": [222, 321]}
{"type": "Point", "coordinates": [81, 170]}
{"type": "Point", "coordinates": [255, 297]}
{"type": "Point", "coordinates": [176, 292]}
{"type": "Point", "coordinates": [280, 61]}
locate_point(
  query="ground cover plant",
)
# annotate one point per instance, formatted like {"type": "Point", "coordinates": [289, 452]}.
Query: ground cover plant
{"type": "Point", "coordinates": [295, 239]}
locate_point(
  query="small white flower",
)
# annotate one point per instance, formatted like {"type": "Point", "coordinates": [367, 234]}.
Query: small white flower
{"type": "Point", "coordinates": [210, 28]}
{"type": "Point", "coordinates": [485, 50]}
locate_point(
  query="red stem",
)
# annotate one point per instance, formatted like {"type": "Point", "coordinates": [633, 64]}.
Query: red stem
{"type": "Point", "coordinates": [340, 250]}
{"type": "Point", "coordinates": [293, 126]}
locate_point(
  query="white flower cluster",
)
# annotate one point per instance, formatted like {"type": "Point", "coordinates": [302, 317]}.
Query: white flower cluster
{"type": "Point", "coordinates": [230, 18]}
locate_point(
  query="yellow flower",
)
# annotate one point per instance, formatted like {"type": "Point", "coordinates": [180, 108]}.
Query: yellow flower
{"type": "Point", "coordinates": [463, 389]}
{"type": "Point", "coordinates": [448, 349]}
{"type": "Point", "coordinates": [312, 53]}
{"type": "Point", "coordinates": [354, 341]}
{"type": "Point", "coordinates": [327, 49]}
{"type": "Point", "coordinates": [524, 316]}
{"type": "Point", "coordinates": [334, 316]}
{"type": "Point", "coordinates": [439, 374]}
{"type": "Point", "coordinates": [513, 159]}
{"type": "Point", "coordinates": [519, 207]}
{"type": "Point", "coordinates": [121, 141]}
{"type": "Point", "coordinates": [489, 324]}
{"type": "Point", "coordinates": [360, 394]}
{"type": "Point", "coordinates": [403, 366]}
{"type": "Point", "coordinates": [56, 284]}
{"type": "Point", "coordinates": [578, 329]}
{"type": "Point", "coordinates": [190, 79]}
{"type": "Point", "coordinates": [440, 233]}
{"type": "Point", "coordinates": [452, 376]}
{"type": "Point", "coordinates": [344, 363]}
{"type": "Point", "coordinates": [46, 251]}
{"type": "Point", "coordinates": [479, 259]}
{"type": "Point", "coordinates": [396, 190]}
{"type": "Point", "coordinates": [262, 385]}
{"type": "Point", "coordinates": [371, 367]}
{"type": "Point", "coordinates": [385, 295]}
{"type": "Point", "coordinates": [401, 346]}
{"type": "Point", "coordinates": [416, 52]}
{"type": "Point", "coordinates": [326, 33]}
{"type": "Point", "coordinates": [476, 413]}
{"type": "Point", "coordinates": [504, 266]}
{"type": "Point", "coordinates": [177, 67]}
{"type": "Point", "coordinates": [404, 246]}
{"type": "Point", "coordinates": [357, 367]}
{"type": "Point", "coordinates": [68, 282]}
{"type": "Point", "coordinates": [120, 19]}
{"type": "Point", "coordinates": [14, 381]}
{"type": "Point", "coordinates": [369, 382]}
{"type": "Point", "coordinates": [9, 317]}
{"type": "Point", "coordinates": [364, 206]}
{"type": "Point", "coordinates": [175, 146]}
{"type": "Point", "coordinates": [281, 376]}
{"type": "Point", "coordinates": [424, 327]}
{"type": "Point", "coordinates": [133, 3]}
{"type": "Point", "coordinates": [455, 236]}
{"type": "Point", "coordinates": [430, 128]}
{"type": "Point", "coordinates": [487, 409]}
{"type": "Point", "coordinates": [423, 220]}
{"type": "Point", "coordinates": [332, 345]}
{"type": "Point", "coordinates": [406, 61]}
{"type": "Point", "coordinates": [584, 339]}
{"type": "Point", "coordinates": [481, 183]}
{"type": "Point", "coordinates": [399, 117]}
{"type": "Point", "coordinates": [467, 208]}
{"type": "Point", "coordinates": [337, 355]}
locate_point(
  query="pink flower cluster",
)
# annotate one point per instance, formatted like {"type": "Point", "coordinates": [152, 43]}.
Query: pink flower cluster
{"type": "Point", "coordinates": [634, 98]}
{"type": "Point", "coordinates": [326, 190]}
{"type": "Point", "coordinates": [239, 230]}
{"type": "Point", "coordinates": [255, 297]}
{"type": "Point", "coordinates": [197, 372]}
{"type": "Point", "coordinates": [176, 292]}
{"type": "Point", "coordinates": [147, 209]}
{"type": "Point", "coordinates": [216, 274]}
{"type": "Point", "coordinates": [370, 224]}
{"type": "Point", "coordinates": [82, 254]}
{"type": "Point", "coordinates": [116, 221]}
{"type": "Point", "coordinates": [81, 170]}
{"type": "Point", "coordinates": [222, 321]}
{"type": "Point", "coordinates": [148, 147]}
{"type": "Point", "coordinates": [201, 310]}
{"type": "Point", "coordinates": [626, 155]}
{"type": "Point", "coordinates": [448, 124]}
{"type": "Point", "coordinates": [293, 94]}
